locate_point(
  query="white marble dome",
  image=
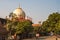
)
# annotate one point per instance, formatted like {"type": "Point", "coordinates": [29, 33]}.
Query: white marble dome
{"type": "Point", "coordinates": [19, 12]}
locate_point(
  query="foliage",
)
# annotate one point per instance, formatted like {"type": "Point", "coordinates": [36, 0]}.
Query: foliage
{"type": "Point", "coordinates": [36, 29]}
{"type": "Point", "coordinates": [24, 27]}
{"type": "Point", "coordinates": [52, 23]}
{"type": "Point", "coordinates": [19, 27]}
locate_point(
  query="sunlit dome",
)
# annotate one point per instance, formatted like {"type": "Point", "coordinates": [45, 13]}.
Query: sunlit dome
{"type": "Point", "coordinates": [19, 12]}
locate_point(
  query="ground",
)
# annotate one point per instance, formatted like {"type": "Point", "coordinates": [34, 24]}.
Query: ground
{"type": "Point", "coordinates": [46, 38]}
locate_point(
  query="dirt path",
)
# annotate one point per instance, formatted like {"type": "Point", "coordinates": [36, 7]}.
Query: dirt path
{"type": "Point", "coordinates": [45, 38]}
{"type": "Point", "coordinates": [52, 38]}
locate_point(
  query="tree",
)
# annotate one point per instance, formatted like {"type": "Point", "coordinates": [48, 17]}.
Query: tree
{"type": "Point", "coordinates": [57, 28]}
{"type": "Point", "coordinates": [36, 29]}
{"type": "Point", "coordinates": [24, 27]}
{"type": "Point", "coordinates": [11, 14]}
{"type": "Point", "coordinates": [20, 27]}
{"type": "Point", "coordinates": [52, 23]}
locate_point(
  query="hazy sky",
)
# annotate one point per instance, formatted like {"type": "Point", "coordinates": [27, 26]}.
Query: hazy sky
{"type": "Point", "coordinates": [38, 10]}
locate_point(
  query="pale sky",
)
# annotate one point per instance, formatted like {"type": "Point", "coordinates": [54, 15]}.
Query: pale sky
{"type": "Point", "coordinates": [38, 10]}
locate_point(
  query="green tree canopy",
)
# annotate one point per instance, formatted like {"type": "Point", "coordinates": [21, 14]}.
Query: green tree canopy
{"type": "Point", "coordinates": [20, 26]}
{"type": "Point", "coordinates": [24, 27]}
{"type": "Point", "coordinates": [52, 23]}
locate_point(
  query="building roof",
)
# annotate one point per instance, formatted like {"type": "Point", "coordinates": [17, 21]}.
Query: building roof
{"type": "Point", "coordinates": [36, 25]}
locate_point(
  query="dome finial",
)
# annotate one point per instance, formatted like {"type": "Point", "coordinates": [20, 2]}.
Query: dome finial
{"type": "Point", "coordinates": [19, 5]}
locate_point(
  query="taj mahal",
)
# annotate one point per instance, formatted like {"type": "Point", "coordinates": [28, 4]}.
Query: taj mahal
{"type": "Point", "coordinates": [17, 14]}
